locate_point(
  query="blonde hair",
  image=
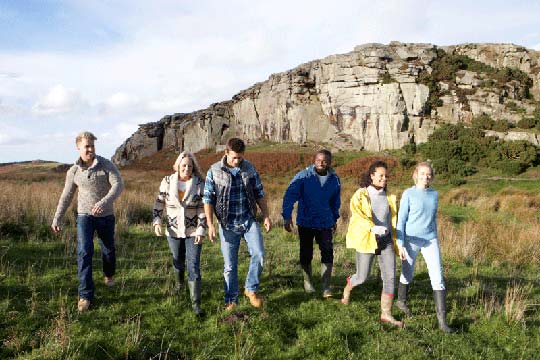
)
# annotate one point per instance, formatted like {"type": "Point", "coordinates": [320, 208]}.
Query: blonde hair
{"type": "Point", "coordinates": [426, 164]}
{"type": "Point", "coordinates": [196, 168]}
{"type": "Point", "coordinates": [85, 135]}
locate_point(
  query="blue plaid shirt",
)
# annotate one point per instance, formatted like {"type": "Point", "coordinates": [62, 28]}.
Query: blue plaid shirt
{"type": "Point", "coordinates": [239, 214]}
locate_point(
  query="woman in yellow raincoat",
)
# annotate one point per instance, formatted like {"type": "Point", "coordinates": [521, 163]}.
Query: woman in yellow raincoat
{"type": "Point", "coordinates": [372, 232]}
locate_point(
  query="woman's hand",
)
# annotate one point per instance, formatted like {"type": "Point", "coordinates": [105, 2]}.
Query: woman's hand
{"type": "Point", "coordinates": [198, 240]}
{"type": "Point", "coordinates": [157, 230]}
{"type": "Point", "coordinates": [403, 255]}
{"type": "Point", "coordinates": [379, 230]}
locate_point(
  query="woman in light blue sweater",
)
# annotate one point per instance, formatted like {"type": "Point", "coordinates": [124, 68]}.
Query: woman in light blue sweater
{"type": "Point", "coordinates": [417, 232]}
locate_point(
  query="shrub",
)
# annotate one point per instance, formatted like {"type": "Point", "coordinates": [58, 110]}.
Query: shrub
{"type": "Point", "coordinates": [441, 149]}
{"type": "Point", "coordinates": [501, 125]}
{"type": "Point", "coordinates": [521, 151]}
{"type": "Point", "coordinates": [483, 121]}
{"type": "Point", "coordinates": [456, 181]}
{"type": "Point", "coordinates": [511, 167]}
{"type": "Point", "coordinates": [460, 168]}
{"type": "Point", "coordinates": [440, 165]}
{"type": "Point", "coordinates": [527, 123]}
{"type": "Point", "coordinates": [410, 149]}
{"type": "Point", "coordinates": [407, 163]}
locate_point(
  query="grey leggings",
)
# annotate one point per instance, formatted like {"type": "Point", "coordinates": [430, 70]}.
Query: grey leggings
{"type": "Point", "coordinates": [387, 264]}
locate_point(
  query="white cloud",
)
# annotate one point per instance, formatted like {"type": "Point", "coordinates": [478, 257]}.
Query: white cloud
{"type": "Point", "coordinates": [60, 100]}
{"type": "Point", "coordinates": [10, 135]}
{"type": "Point", "coordinates": [124, 130]}
{"type": "Point", "coordinates": [166, 56]}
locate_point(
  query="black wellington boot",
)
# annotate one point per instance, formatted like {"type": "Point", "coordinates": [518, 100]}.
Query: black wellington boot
{"type": "Point", "coordinates": [403, 295]}
{"type": "Point", "coordinates": [440, 306]}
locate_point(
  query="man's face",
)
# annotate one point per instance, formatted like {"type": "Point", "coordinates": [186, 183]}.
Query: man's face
{"type": "Point", "coordinates": [233, 158]}
{"type": "Point", "coordinates": [87, 152]}
{"type": "Point", "coordinates": [322, 163]}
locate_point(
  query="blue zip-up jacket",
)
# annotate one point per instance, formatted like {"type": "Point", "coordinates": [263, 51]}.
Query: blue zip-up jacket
{"type": "Point", "coordinates": [318, 206]}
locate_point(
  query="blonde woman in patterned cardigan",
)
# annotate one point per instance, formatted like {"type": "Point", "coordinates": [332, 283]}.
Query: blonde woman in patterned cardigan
{"type": "Point", "coordinates": [180, 195]}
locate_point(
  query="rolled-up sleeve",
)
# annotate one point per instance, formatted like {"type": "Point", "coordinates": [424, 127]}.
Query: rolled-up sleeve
{"type": "Point", "coordinates": [258, 188]}
{"type": "Point", "coordinates": [209, 196]}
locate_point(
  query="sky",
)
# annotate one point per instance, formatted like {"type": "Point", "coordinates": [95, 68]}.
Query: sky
{"type": "Point", "coordinates": [107, 66]}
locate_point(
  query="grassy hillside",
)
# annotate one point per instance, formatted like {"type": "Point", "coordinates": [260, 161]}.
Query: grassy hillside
{"type": "Point", "coordinates": [488, 230]}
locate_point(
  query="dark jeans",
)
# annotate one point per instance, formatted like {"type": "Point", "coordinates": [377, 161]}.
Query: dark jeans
{"type": "Point", "coordinates": [182, 248]}
{"type": "Point", "coordinates": [87, 225]}
{"type": "Point", "coordinates": [323, 237]}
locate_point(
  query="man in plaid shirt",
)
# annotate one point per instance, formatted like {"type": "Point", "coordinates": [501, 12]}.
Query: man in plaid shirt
{"type": "Point", "coordinates": [233, 190]}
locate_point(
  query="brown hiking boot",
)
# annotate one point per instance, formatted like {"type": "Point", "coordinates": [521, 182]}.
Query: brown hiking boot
{"type": "Point", "coordinates": [109, 281]}
{"type": "Point", "coordinates": [83, 305]}
{"type": "Point", "coordinates": [254, 299]}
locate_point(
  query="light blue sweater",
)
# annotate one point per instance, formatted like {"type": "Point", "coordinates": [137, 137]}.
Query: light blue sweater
{"type": "Point", "coordinates": [417, 216]}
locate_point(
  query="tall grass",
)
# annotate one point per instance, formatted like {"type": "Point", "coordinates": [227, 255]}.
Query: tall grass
{"type": "Point", "coordinates": [504, 229]}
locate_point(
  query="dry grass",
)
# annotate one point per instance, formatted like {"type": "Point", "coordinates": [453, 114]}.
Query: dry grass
{"type": "Point", "coordinates": [515, 302]}
{"type": "Point", "coordinates": [505, 228]}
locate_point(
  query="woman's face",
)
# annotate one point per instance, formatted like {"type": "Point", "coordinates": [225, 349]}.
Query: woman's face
{"type": "Point", "coordinates": [423, 177]}
{"type": "Point", "coordinates": [379, 178]}
{"type": "Point", "coordinates": [185, 169]}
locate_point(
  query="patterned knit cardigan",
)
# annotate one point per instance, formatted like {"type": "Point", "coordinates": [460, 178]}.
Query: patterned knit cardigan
{"type": "Point", "coordinates": [185, 217]}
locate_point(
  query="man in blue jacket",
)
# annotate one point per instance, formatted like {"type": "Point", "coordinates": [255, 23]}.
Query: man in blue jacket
{"type": "Point", "coordinates": [317, 190]}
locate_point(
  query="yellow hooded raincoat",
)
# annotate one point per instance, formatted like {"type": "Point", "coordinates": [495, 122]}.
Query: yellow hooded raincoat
{"type": "Point", "coordinates": [359, 235]}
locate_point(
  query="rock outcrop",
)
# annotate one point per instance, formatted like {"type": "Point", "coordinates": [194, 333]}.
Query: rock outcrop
{"type": "Point", "coordinates": [375, 97]}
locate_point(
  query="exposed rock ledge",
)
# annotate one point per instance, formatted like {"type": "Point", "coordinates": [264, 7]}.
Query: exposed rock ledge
{"type": "Point", "coordinates": [371, 98]}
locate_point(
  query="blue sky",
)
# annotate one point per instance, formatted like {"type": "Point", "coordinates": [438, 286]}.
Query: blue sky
{"type": "Point", "coordinates": [107, 66]}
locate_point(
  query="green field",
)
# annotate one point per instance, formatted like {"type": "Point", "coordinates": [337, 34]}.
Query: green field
{"type": "Point", "coordinates": [488, 230]}
{"type": "Point", "coordinates": [142, 318]}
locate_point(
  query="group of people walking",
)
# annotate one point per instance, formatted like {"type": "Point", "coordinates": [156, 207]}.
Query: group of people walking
{"type": "Point", "coordinates": [232, 191]}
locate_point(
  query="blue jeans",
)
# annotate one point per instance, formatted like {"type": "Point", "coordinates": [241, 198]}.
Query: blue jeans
{"type": "Point", "coordinates": [87, 225]}
{"type": "Point", "coordinates": [432, 255]}
{"type": "Point", "coordinates": [182, 248]}
{"type": "Point", "coordinates": [230, 242]}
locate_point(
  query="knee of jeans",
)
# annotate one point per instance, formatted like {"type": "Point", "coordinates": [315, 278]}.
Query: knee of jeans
{"type": "Point", "coordinates": [178, 264]}
{"type": "Point", "coordinates": [85, 252]}
{"type": "Point", "coordinates": [258, 254]}
{"type": "Point", "coordinates": [228, 268]}
{"type": "Point", "coordinates": [108, 251]}
{"type": "Point", "coordinates": [194, 274]}
{"type": "Point", "coordinates": [405, 279]}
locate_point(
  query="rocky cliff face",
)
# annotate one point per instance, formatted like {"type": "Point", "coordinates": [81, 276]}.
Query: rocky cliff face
{"type": "Point", "coordinates": [375, 97]}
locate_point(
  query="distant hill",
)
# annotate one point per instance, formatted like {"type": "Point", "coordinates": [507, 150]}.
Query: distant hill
{"type": "Point", "coordinates": [375, 97]}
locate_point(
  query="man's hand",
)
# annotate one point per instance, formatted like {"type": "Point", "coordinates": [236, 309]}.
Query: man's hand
{"type": "Point", "coordinates": [198, 240]}
{"type": "Point", "coordinates": [97, 210]}
{"type": "Point", "coordinates": [403, 255]}
{"type": "Point", "coordinates": [157, 230]}
{"type": "Point", "coordinates": [211, 232]}
{"type": "Point", "coordinates": [56, 229]}
{"type": "Point", "coordinates": [288, 225]}
{"type": "Point", "coordinates": [267, 224]}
